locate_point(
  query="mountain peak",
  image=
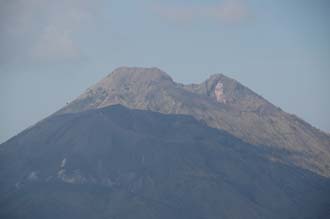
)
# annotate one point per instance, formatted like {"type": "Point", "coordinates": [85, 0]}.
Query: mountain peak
{"type": "Point", "coordinates": [126, 77]}
{"type": "Point", "coordinates": [124, 85]}
{"type": "Point", "coordinates": [220, 76]}
{"type": "Point", "coordinates": [139, 74]}
{"type": "Point", "coordinates": [222, 88]}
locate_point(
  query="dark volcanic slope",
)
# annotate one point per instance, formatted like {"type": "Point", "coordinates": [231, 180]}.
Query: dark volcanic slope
{"type": "Point", "coordinates": [222, 103]}
{"type": "Point", "coordinates": [119, 163]}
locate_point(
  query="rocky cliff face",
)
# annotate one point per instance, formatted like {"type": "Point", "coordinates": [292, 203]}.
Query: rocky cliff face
{"type": "Point", "coordinates": [222, 103]}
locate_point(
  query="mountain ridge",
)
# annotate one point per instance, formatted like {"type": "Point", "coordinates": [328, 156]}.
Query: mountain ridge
{"type": "Point", "coordinates": [221, 102]}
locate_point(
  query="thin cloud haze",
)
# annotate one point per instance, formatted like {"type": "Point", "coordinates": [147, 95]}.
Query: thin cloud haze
{"type": "Point", "coordinates": [229, 11]}
{"type": "Point", "coordinates": [55, 43]}
{"type": "Point", "coordinates": [39, 31]}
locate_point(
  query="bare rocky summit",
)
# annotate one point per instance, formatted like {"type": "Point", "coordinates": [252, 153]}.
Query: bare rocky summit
{"type": "Point", "coordinates": [222, 103]}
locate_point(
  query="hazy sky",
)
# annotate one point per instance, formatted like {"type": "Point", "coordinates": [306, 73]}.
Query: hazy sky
{"type": "Point", "coordinates": [51, 51]}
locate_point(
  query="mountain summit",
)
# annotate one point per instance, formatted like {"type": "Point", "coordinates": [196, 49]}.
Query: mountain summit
{"type": "Point", "coordinates": [222, 103]}
{"type": "Point", "coordinates": [139, 145]}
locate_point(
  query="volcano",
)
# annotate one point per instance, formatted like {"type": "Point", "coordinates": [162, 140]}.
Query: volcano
{"type": "Point", "coordinates": [139, 145]}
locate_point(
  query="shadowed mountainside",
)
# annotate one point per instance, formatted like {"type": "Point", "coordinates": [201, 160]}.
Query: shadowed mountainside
{"type": "Point", "coordinates": [115, 162]}
{"type": "Point", "coordinates": [222, 103]}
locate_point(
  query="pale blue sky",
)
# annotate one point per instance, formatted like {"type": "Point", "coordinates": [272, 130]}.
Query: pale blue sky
{"type": "Point", "coordinates": [51, 51]}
